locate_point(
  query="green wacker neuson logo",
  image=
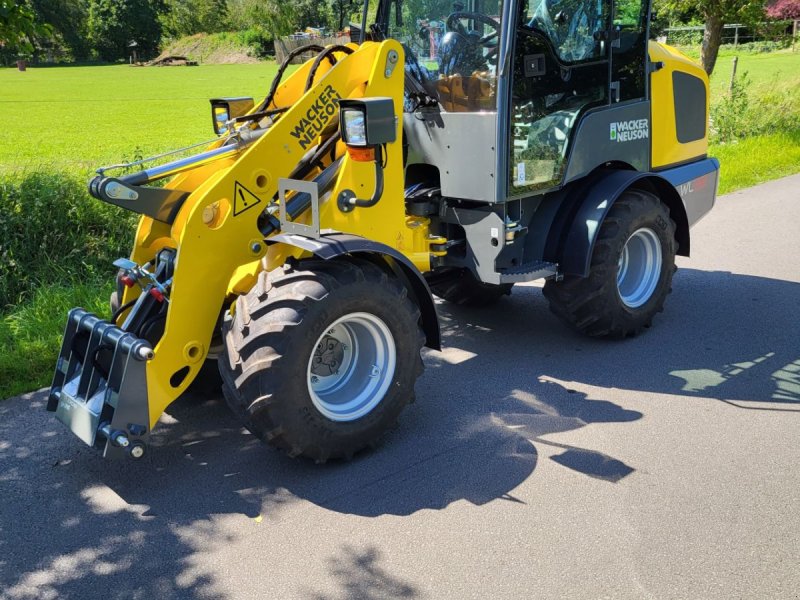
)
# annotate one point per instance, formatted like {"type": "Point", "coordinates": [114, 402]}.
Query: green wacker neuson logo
{"type": "Point", "coordinates": [625, 131]}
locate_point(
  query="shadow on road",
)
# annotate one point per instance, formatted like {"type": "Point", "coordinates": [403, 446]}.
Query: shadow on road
{"type": "Point", "coordinates": [503, 385]}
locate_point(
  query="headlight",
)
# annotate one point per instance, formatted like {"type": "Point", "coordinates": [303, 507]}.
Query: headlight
{"type": "Point", "coordinates": [355, 127]}
{"type": "Point", "coordinates": [367, 122]}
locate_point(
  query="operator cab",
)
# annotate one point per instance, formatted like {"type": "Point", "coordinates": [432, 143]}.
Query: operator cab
{"type": "Point", "coordinates": [564, 60]}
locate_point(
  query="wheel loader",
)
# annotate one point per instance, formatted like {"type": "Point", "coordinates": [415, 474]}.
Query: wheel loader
{"type": "Point", "coordinates": [451, 149]}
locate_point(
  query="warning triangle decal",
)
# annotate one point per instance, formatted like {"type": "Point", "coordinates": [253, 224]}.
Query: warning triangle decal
{"type": "Point", "coordinates": [243, 199]}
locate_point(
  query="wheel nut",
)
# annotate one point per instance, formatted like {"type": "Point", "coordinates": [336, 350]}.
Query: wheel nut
{"type": "Point", "coordinates": [375, 371]}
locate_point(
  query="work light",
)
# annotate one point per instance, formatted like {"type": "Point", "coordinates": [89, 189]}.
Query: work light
{"type": "Point", "coordinates": [367, 122]}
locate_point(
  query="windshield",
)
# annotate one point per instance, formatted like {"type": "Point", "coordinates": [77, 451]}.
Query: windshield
{"type": "Point", "coordinates": [451, 48]}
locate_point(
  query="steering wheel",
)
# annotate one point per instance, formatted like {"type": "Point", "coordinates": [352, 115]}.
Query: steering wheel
{"type": "Point", "coordinates": [454, 24]}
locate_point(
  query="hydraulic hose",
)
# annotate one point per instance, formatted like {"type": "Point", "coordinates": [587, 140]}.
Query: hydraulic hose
{"type": "Point", "coordinates": [282, 69]}
{"type": "Point", "coordinates": [347, 200]}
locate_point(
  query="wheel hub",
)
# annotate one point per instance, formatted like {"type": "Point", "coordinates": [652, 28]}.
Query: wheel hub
{"type": "Point", "coordinates": [351, 367]}
{"type": "Point", "coordinates": [639, 268]}
{"type": "Point", "coordinates": [328, 357]}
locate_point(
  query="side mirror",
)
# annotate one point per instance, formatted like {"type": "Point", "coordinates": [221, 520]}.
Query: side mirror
{"type": "Point", "coordinates": [225, 109]}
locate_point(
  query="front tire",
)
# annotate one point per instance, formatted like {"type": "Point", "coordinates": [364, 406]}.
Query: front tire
{"type": "Point", "coordinates": [630, 274]}
{"type": "Point", "coordinates": [320, 360]}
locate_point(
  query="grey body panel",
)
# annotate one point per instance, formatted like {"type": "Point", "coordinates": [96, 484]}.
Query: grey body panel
{"type": "Point", "coordinates": [489, 253]}
{"type": "Point", "coordinates": [461, 146]}
{"type": "Point", "coordinates": [696, 183]}
{"type": "Point", "coordinates": [593, 146]}
{"type": "Point", "coordinates": [485, 233]}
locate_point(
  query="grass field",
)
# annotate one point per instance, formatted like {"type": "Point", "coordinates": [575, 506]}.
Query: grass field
{"type": "Point", "coordinates": [64, 122]}
{"type": "Point", "coordinates": [763, 69]}
{"type": "Point", "coordinates": [87, 116]}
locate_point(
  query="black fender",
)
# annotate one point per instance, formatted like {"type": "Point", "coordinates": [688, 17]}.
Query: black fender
{"type": "Point", "coordinates": [585, 204]}
{"type": "Point", "coordinates": [334, 245]}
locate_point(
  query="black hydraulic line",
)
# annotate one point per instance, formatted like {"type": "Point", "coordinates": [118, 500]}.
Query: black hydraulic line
{"type": "Point", "coordinates": [376, 196]}
{"type": "Point", "coordinates": [148, 323]}
{"type": "Point", "coordinates": [282, 69]}
{"type": "Point", "coordinates": [260, 115]}
{"type": "Point", "coordinates": [326, 53]}
{"type": "Point", "coordinates": [305, 166]}
{"type": "Point", "coordinates": [301, 201]}
{"type": "Point", "coordinates": [118, 313]}
{"type": "Point", "coordinates": [347, 200]}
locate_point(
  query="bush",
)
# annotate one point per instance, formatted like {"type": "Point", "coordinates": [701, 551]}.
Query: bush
{"type": "Point", "coordinates": [744, 112]}
{"type": "Point", "coordinates": [52, 231]}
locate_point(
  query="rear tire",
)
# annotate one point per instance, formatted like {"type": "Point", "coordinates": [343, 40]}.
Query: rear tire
{"type": "Point", "coordinates": [291, 378]}
{"type": "Point", "coordinates": [630, 274]}
{"type": "Point", "coordinates": [463, 288]}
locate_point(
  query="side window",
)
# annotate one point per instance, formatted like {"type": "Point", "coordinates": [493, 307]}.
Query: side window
{"type": "Point", "coordinates": [630, 49]}
{"type": "Point", "coordinates": [574, 27]}
{"type": "Point", "coordinates": [451, 48]}
{"type": "Point", "coordinates": [560, 72]}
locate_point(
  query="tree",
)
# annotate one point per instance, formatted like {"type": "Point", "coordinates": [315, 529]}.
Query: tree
{"type": "Point", "coordinates": [784, 9]}
{"type": "Point", "coordinates": [343, 9]}
{"type": "Point", "coordinates": [18, 25]}
{"type": "Point", "coordinates": [274, 16]}
{"type": "Point", "coordinates": [67, 18]}
{"type": "Point", "coordinates": [311, 13]}
{"type": "Point", "coordinates": [114, 24]}
{"type": "Point", "coordinates": [716, 13]}
{"type": "Point", "coordinates": [187, 17]}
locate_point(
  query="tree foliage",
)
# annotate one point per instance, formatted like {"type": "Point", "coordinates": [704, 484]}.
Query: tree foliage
{"type": "Point", "coordinates": [106, 28]}
{"type": "Point", "coordinates": [187, 17]}
{"type": "Point", "coordinates": [18, 25]}
{"type": "Point", "coordinates": [68, 22]}
{"type": "Point", "coordinates": [715, 14]}
{"type": "Point", "coordinates": [114, 24]}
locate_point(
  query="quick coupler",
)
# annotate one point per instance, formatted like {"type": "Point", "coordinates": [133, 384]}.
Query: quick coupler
{"type": "Point", "coordinates": [99, 388]}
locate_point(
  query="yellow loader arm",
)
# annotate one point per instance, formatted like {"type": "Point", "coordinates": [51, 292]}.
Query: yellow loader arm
{"type": "Point", "coordinates": [191, 265]}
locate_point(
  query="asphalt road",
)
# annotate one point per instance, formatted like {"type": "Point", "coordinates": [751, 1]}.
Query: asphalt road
{"type": "Point", "coordinates": [535, 463]}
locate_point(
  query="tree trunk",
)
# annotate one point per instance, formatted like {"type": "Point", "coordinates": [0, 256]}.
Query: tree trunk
{"type": "Point", "coordinates": [712, 38]}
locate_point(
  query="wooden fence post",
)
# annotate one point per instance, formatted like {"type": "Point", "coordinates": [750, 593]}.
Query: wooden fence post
{"type": "Point", "coordinates": [733, 73]}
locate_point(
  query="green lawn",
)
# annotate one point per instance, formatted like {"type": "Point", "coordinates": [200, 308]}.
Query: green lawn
{"type": "Point", "coordinates": [738, 169]}
{"type": "Point", "coordinates": [763, 69]}
{"type": "Point", "coordinates": [88, 116]}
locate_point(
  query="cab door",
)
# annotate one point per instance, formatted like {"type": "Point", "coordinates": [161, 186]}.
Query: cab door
{"type": "Point", "coordinates": [629, 50]}
{"type": "Point", "coordinates": [561, 70]}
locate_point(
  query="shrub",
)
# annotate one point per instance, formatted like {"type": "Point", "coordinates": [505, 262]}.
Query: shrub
{"type": "Point", "coordinates": [53, 232]}
{"type": "Point", "coordinates": [745, 112]}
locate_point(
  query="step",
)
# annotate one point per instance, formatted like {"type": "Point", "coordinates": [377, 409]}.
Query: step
{"type": "Point", "coordinates": [529, 272]}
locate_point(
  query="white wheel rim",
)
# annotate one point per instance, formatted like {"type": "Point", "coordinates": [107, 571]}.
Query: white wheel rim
{"type": "Point", "coordinates": [639, 268]}
{"type": "Point", "coordinates": [351, 367]}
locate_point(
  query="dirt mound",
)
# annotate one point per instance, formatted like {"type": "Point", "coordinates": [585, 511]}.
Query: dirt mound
{"type": "Point", "coordinates": [170, 60]}
{"type": "Point", "coordinates": [218, 48]}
